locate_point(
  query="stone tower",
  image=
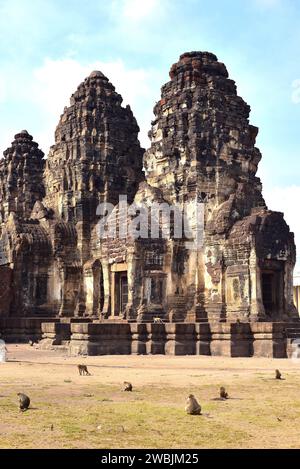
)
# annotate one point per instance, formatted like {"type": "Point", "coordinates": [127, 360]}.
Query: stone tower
{"type": "Point", "coordinates": [201, 139]}
{"type": "Point", "coordinates": [96, 155]}
{"type": "Point", "coordinates": [21, 177]}
{"type": "Point", "coordinates": [203, 150]}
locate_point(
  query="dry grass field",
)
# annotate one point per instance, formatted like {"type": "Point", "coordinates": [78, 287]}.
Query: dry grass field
{"type": "Point", "coordinates": [72, 411]}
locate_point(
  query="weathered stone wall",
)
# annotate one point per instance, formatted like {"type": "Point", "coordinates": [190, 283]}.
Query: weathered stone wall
{"type": "Point", "coordinates": [5, 290]}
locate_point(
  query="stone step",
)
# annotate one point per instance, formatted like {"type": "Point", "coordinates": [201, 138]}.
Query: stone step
{"type": "Point", "coordinates": [292, 332]}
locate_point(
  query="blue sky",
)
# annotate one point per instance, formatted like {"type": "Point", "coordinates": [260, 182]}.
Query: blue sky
{"type": "Point", "coordinates": [48, 46]}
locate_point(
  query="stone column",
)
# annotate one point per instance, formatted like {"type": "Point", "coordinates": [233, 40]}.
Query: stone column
{"type": "Point", "coordinates": [131, 270]}
{"type": "Point", "coordinates": [257, 309]}
{"type": "Point", "coordinates": [198, 314]}
{"type": "Point", "coordinates": [89, 290]}
{"type": "Point", "coordinates": [108, 290]}
{"type": "Point", "coordinates": [113, 293]}
{"type": "Point", "coordinates": [290, 308]}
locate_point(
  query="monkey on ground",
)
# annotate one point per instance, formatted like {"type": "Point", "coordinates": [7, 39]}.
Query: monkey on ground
{"type": "Point", "coordinates": [278, 374]}
{"type": "Point", "coordinates": [24, 401]}
{"type": "Point", "coordinates": [192, 405]}
{"type": "Point", "coordinates": [223, 393]}
{"type": "Point", "coordinates": [127, 386]}
{"type": "Point", "coordinates": [83, 370]}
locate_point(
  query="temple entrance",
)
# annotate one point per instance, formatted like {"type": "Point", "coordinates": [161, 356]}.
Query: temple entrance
{"type": "Point", "coordinates": [121, 292]}
{"type": "Point", "coordinates": [119, 288]}
{"type": "Point", "coordinates": [41, 290]}
{"type": "Point", "coordinates": [272, 290]}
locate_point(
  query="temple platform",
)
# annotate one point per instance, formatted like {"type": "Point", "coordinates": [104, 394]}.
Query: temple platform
{"type": "Point", "coordinates": [82, 337]}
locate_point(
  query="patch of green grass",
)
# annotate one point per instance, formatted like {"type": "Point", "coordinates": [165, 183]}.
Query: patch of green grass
{"type": "Point", "coordinates": [153, 416]}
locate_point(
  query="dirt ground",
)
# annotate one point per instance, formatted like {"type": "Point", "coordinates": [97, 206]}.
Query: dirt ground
{"type": "Point", "coordinates": [72, 411]}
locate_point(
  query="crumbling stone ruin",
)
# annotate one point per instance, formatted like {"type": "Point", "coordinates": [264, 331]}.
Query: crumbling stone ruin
{"type": "Point", "coordinates": [59, 277]}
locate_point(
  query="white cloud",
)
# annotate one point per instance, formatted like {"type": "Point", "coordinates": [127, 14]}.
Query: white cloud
{"type": "Point", "coordinates": [265, 4]}
{"type": "Point", "coordinates": [55, 81]}
{"type": "Point", "coordinates": [136, 13]}
{"type": "Point", "coordinates": [3, 91]}
{"type": "Point", "coordinates": [39, 102]}
{"type": "Point", "coordinates": [135, 10]}
{"type": "Point", "coordinates": [286, 200]}
{"type": "Point", "coordinates": [296, 92]}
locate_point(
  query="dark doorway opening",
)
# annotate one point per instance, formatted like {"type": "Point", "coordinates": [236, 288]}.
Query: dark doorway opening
{"type": "Point", "coordinates": [272, 292]}
{"type": "Point", "coordinates": [41, 290]}
{"type": "Point", "coordinates": [121, 292]}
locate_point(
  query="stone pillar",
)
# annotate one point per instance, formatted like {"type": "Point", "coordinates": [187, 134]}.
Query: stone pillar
{"type": "Point", "coordinates": [257, 310]}
{"type": "Point", "coordinates": [89, 289]}
{"type": "Point", "coordinates": [290, 308]}
{"type": "Point", "coordinates": [131, 272]}
{"type": "Point", "coordinates": [198, 313]}
{"type": "Point", "coordinates": [62, 281]}
{"type": "Point", "coordinates": [108, 290]}
{"type": "Point", "coordinates": [113, 293]}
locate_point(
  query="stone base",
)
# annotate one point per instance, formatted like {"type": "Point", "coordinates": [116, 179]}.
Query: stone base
{"type": "Point", "coordinates": [257, 339]}
{"type": "Point", "coordinates": [21, 330]}
{"type": "Point", "coordinates": [55, 334]}
{"type": "Point", "coordinates": [220, 339]}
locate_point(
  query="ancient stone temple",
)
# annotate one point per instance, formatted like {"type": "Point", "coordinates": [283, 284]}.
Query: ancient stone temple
{"type": "Point", "coordinates": [98, 280]}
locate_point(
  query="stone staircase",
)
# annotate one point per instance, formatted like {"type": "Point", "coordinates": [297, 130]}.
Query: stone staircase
{"type": "Point", "coordinates": [293, 332]}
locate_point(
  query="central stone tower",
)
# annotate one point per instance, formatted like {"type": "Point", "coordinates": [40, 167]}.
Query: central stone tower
{"type": "Point", "coordinates": [96, 155]}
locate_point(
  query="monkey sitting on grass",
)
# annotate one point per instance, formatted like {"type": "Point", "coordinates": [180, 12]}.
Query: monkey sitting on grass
{"type": "Point", "coordinates": [192, 406]}
{"type": "Point", "coordinates": [24, 402]}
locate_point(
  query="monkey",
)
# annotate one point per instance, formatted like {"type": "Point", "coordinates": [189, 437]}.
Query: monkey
{"type": "Point", "coordinates": [31, 342]}
{"type": "Point", "coordinates": [158, 321]}
{"type": "Point", "coordinates": [223, 393]}
{"type": "Point", "coordinates": [192, 406]}
{"type": "Point", "coordinates": [127, 386]}
{"type": "Point", "coordinates": [277, 374]}
{"type": "Point", "coordinates": [24, 401]}
{"type": "Point", "coordinates": [83, 370]}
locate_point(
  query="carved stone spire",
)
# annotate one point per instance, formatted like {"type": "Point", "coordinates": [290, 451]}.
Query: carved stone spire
{"type": "Point", "coordinates": [202, 142]}
{"type": "Point", "coordinates": [21, 177]}
{"type": "Point", "coordinates": [96, 155]}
